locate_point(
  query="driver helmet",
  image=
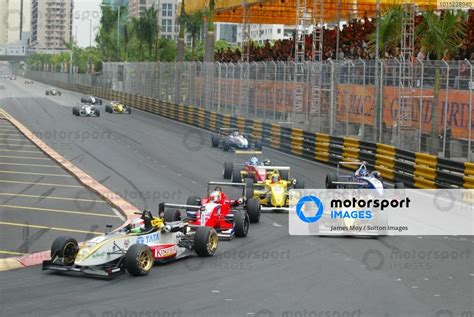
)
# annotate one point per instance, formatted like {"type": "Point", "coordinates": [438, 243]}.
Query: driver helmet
{"type": "Point", "coordinates": [267, 162]}
{"type": "Point", "coordinates": [377, 175]}
{"type": "Point", "coordinates": [137, 225]}
{"type": "Point", "coordinates": [215, 196]}
{"type": "Point", "coordinates": [275, 178]}
{"type": "Point", "coordinates": [254, 160]}
{"type": "Point", "coordinates": [362, 171]}
{"type": "Point", "coordinates": [236, 133]}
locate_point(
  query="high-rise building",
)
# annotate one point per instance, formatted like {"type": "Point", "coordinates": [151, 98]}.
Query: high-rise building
{"type": "Point", "coordinates": [115, 3]}
{"type": "Point", "coordinates": [15, 23]}
{"type": "Point", "coordinates": [51, 23]}
{"type": "Point", "coordinates": [137, 8]}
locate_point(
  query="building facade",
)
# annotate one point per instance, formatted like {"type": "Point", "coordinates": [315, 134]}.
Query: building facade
{"type": "Point", "coordinates": [15, 23]}
{"type": "Point", "coordinates": [137, 8]}
{"type": "Point", "coordinates": [259, 33]}
{"type": "Point", "coordinates": [51, 23]}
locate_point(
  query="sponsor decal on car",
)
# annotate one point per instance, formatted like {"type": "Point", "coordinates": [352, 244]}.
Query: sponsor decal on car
{"type": "Point", "coordinates": [165, 251]}
{"type": "Point", "coordinates": [150, 238]}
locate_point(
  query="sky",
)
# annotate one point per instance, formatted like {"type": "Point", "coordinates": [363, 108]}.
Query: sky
{"type": "Point", "coordinates": [86, 13]}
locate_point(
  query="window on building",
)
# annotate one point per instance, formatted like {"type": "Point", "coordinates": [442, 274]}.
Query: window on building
{"type": "Point", "coordinates": [279, 31]}
{"type": "Point", "coordinates": [167, 9]}
{"type": "Point", "coordinates": [167, 25]}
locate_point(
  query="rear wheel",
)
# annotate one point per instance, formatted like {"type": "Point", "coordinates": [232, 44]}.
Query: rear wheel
{"type": "Point", "coordinates": [241, 223]}
{"type": "Point", "coordinates": [215, 141]}
{"type": "Point", "coordinates": [330, 179]}
{"type": "Point", "coordinates": [75, 111]}
{"type": "Point", "coordinates": [65, 248]}
{"type": "Point", "coordinates": [172, 215]}
{"type": "Point", "coordinates": [108, 109]}
{"type": "Point", "coordinates": [253, 210]}
{"type": "Point", "coordinates": [299, 184]}
{"type": "Point", "coordinates": [129, 110]}
{"type": "Point", "coordinates": [139, 260]}
{"type": "Point", "coordinates": [258, 145]}
{"type": "Point", "coordinates": [97, 112]}
{"type": "Point", "coordinates": [59, 93]}
{"type": "Point", "coordinates": [205, 241]}
{"type": "Point", "coordinates": [236, 176]}
{"type": "Point", "coordinates": [228, 169]}
{"type": "Point", "coordinates": [249, 188]}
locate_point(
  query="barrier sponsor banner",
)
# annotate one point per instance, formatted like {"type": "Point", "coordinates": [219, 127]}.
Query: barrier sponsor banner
{"type": "Point", "coordinates": [394, 212]}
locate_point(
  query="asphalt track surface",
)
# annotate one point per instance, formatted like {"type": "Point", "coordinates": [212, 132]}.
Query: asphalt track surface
{"type": "Point", "coordinates": [39, 199]}
{"type": "Point", "coordinates": [148, 159]}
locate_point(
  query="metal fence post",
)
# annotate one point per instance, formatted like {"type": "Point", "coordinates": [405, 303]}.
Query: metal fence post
{"type": "Point", "coordinates": [363, 97]}
{"type": "Point", "coordinates": [219, 81]}
{"type": "Point", "coordinates": [420, 106]}
{"type": "Point", "coordinates": [471, 88]}
{"type": "Point", "coordinates": [445, 110]}
{"type": "Point", "coordinates": [332, 100]}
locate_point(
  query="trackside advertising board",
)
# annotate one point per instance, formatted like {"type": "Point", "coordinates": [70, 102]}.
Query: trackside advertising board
{"type": "Point", "coordinates": [393, 212]}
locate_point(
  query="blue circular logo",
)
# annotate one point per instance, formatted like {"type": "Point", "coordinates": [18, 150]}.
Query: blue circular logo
{"type": "Point", "coordinates": [309, 199]}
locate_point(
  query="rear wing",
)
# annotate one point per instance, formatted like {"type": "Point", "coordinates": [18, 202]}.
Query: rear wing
{"type": "Point", "coordinates": [162, 206]}
{"type": "Point", "coordinates": [350, 163]}
{"type": "Point", "coordinates": [272, 168]}
{"type": "Point", "coordinates": [241, 185]}
{"type": "Point", "coordinates": [245, 155]}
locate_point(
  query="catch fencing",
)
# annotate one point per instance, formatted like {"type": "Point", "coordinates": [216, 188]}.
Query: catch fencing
{"type": "Point", "coordinates": [414, 169]}
{"type": "Point", "coordinates": [365, 99]}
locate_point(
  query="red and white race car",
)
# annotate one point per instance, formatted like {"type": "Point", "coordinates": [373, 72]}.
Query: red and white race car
{"type": "Point", "coordinates": [229, 217]}
{"type": "Point", "coordinates": [246, 164]}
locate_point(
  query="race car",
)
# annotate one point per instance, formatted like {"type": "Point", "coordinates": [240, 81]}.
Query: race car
{"type": "Point", "coordinates": [91, 100]}
{"type": "Point", "coordinates": [274, 191]}
{"type": "Point", "coordinates": [86, 111]}
{"type": "Point", "coordinates": [229, 217]}
{"type": "Point", "coordinates": [28, 82]}
{"type": "Point", "coordinates": [231, 139]}
{"type": "Point", "coordinates": [246, 164]}
{"type": "Point", "coordinates": [117, 107]}
{"type": "Point", "coordinates": [12, 77]}
{"type": "Point", "coordinates": [133, 248]}
{"type": "Point", "coordinates": [361, 178]}
{"type": "Point", "coordinates": [53, 92]}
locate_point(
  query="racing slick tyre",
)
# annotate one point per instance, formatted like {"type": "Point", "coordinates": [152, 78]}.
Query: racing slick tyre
{"type": "Point", "coordinates": [83, 100]}
{"type": "Point", "coordinates": [236, 176]}
{"type": "Point", "coordinates": [226, 146]}
{"type": "Point", "coordinates": [228, 170]}
{"type": "Point", "coordinates": [299, 185]}
{"type": "Point", "coordinates": [249, 191]}
{"type": "Point", "coordinates": [330, 179]}
{"type": "Point", "coordinates": [284, 175]}
{"type": "Point", "coordinates": [59, 93]}
{"type": "Point", "coordinates": [129, 110]}
{"type": "Point", "coordinates": [215, 141]}
{"type": "Point", "coordinates": [399, 185]}
{"type": "Point", "coordinates": [193, 201]}
{"type": "Point", "coordinates": [139, 260]}
{"type": "Point", "coordinates": [65, 248]}
{"type": "Point", "coordinates": [172, 215]}
{"type": "Point", "coordinates": [75, 111]}
{"type": "Point", "coordinates": [100, 101]}
{"type": "Point", "coordinates": [205, 241]}
{"type": "Point", "coordinates": [253, 210]}
{"type": "Point", "coordinates": [241, 223]}
{"type": "Point", "coordinates": [108, 109]}
{"type": "Point", "coordinates": [258, 145]}
{"type": "Point", "coordinates": [47, 93]}
{"type": "Point", "coordinates": [97, 112]}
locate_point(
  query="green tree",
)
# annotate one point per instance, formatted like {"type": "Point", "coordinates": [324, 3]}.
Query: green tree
{"type": "Point", "coordinates": [194, 24]}
{"type": "Point", "coordinates": [390, 30]}
{"type": "Point", "coordinates": [440, 35]}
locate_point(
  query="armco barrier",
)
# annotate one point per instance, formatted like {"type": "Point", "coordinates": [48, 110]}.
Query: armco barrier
{"type": "Point", "coordinates": [419, 170]}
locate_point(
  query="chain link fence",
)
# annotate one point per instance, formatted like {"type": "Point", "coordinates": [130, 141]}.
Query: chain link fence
{"type": "Point", "coordinates": [366, 99]}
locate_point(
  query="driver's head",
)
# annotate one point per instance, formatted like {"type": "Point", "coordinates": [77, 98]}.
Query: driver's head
{"type": "Point", "coordinates": [215, 196]}
{"type": "Point", "coordinates": [377, 175]}
{"type": "Point", "coordinates": [254, 161]}
{"type": "Point", "coordinates": [236, 133]}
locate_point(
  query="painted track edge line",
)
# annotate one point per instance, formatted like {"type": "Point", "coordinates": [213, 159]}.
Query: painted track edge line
{"type": "Point", "coordinates": [117, 202]}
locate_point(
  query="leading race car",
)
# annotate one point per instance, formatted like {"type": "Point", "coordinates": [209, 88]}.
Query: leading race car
{"type": "Point", "coordinates": [231, 139]}
{"type": "Point", "coordinates": [134, 248]}
{"type": "Point", "coordinates": [28, 82]}
{"type": "Point", "coordinates": [229, 217]}
{"type": "Point", "coordinates": [86, 111]}
{"type": "Point", "coordinates": [361, 178]}
{"type": "Point", "coordinates": [118, 107]}
{"type": "Point", "coordinates": [91, 100]}
{"type": "Point", "coordinates": [274, 191]}
{"type": "Point", "coordinates": [53, 92]}
{"type": "Point", "coordinates": [246, 164]}
{"type": "Point", "coordinates": [12, 77]}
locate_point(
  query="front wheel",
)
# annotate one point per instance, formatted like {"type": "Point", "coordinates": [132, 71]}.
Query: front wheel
{"type": "Point", "coordinates": [65, 248]}
{"type": "Point", "coordinates": [299, 184]}
{"type": "Point", "coordinates": [129, 110]}
{"type": "Point", "coordinates": [330, 179]}
{"type": "Point", "coordinates": [205, 241]}
{"type": "Point", "coordinates": [108, 109]}
{"type": "Point", "coordinates": [139, 260]}
{"type": "Point", "coordinates": [258, 145]}
{"type": "Point", "coordinates": [172, 215]}
{"type": "Point", "coordinates": [215, 141]}
{"type": "Point", "coordinates": [236, 176]}
{"type": "Point", "coordinates": [241, 223]}
{"type": "Point", "coordinates": [226, 146]}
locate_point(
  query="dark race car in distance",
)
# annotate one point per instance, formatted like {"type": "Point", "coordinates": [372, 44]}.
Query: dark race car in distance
{"type": "Point", "coordinates": [91, 100]}
{"type": "Point", "coordinates": [231, 139]}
